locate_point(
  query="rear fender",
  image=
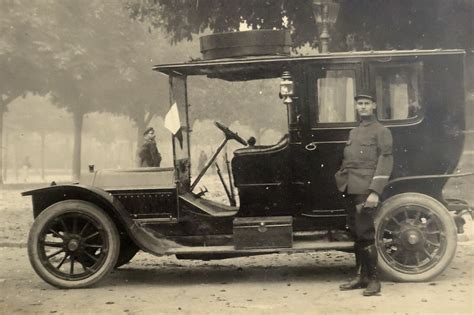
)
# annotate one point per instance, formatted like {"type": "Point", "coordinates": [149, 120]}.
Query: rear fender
{"type": "Point", "coordinates": [44, 197]}
{"type": "Point", "coordinates": [431, 185]}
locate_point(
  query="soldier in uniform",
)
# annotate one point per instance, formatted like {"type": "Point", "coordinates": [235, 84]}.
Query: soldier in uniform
{"type": "Point", "coordinates": [149, 156]}
{"type": "Point", "coordinates": [364, 173]}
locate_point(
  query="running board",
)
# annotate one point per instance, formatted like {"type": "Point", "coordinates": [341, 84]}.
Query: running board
{"type": "Point", "coordinates": [298, 246]}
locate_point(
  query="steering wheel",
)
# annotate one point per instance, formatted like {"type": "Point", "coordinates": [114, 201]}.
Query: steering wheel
{"type": "Point", "coordinates": [229, 134]}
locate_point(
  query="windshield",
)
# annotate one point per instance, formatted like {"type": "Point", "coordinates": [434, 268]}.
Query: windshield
{"type": "Point", "coordinates": [250, 108]}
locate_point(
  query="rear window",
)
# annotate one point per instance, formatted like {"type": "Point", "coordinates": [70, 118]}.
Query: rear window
{"type": "Point", "coordinates": [398, 91]}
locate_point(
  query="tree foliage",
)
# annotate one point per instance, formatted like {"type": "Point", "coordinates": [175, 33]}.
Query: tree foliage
{"type": "Point", "coordinates": [22, 56]}
{"type": "Point", "coordinates": [84, 59]}
{"type": "Point", "coordinates": [184, 18]}
{"type": "Point", "coordinates": [88, 55]}
{"type": "Point", "coordinates": [373, 24]}
{"type": "Point", "coordinates": [413, 24]}
{"type": "Point", "coordinates": [91, 57]}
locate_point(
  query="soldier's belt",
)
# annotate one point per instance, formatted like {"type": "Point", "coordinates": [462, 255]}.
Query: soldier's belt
{"type": "Point", "coordinates": [359, 164]}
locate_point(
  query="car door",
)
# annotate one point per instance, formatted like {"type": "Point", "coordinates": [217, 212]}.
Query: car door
{"type": "Point", "coordinates": [331, 91]}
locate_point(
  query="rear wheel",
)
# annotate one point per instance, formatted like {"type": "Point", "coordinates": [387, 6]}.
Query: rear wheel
{"type": "Point", "coordinates": [73, 244]}
{"type": "Point", "coordinates": [415, 236]}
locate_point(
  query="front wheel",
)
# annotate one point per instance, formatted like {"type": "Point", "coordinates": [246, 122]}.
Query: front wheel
{"type": "Point", "coordinates": [415, 237]}
{"type": "Point", "coordinates": [73, 244]}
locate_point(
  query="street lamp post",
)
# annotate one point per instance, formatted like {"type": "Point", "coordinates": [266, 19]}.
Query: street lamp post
{"type": "Point", "coordinates": [325, 13]}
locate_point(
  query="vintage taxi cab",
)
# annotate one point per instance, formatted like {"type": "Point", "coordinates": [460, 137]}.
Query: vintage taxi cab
{"type": "Point", "coordinates": [287, 197]}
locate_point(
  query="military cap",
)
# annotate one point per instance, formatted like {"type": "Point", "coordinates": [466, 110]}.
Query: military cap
{"type": "Point", "coordinates": [147, 130]}
{"type": "Point", "coordinates": [365, 94]}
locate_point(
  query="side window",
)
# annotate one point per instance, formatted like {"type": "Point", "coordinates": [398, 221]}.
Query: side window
{"type": "Point", "coordinates": [335, 96]}
{"type": "Point", "coordinates": [398, 91]}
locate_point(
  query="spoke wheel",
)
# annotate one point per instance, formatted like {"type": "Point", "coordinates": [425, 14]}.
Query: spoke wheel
{"type": "Point", "coordinates": [73, 244]}
{"type": "Point", "coordinates": [416, 237]}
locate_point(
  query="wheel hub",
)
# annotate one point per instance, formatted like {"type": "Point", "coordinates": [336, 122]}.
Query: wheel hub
{"type": "Point", "coordinates": [412, 239]}
{"type": "Point", "coordinates": [73, 245]}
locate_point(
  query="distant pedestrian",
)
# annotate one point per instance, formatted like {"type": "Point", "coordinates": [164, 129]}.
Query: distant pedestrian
{"type": "Point", "coordinates": [25, 168]}
{"type": "Point", "coordinates": [148, 155]}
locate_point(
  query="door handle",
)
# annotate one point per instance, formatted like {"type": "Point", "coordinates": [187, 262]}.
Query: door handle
{"type": "Point", "coordinates": [311, 146]}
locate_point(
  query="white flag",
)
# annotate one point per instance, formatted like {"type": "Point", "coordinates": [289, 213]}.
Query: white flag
{"type": "Point", "coordinates": [172, 122]}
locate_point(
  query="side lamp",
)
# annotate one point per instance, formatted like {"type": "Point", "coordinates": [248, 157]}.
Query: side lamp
{"type": "Point", "coordinates": [286, 87]}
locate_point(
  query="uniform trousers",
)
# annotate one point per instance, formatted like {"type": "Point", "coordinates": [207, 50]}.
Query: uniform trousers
{"type": "Point", "coordinates": [360, 223]}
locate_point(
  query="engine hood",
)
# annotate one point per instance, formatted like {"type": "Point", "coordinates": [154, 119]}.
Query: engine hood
{"type": "Point", "coordinates": [124, 179]}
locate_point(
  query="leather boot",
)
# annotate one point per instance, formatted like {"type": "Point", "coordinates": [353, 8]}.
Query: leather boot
{"type": "Point", "coordinates": [361, 280]}
{"type": "Point", "coordinates": [374, 286]}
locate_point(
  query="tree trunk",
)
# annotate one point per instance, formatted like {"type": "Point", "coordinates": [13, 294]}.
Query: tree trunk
{"type": "Point", "coordinates": [5, 160]}
{"type": "Point", "coordinates": [142, 124]}
{"type": "Point", "coordinates": [3, 109]}
{"type": "Point", "coordinates": [16, 162]}
{"type": "Point", "coordinates": [43, 140]}
{"type": "Point", "coordinates": [68, 148]}
{"type": "Point", "coordinates": [140, 130]}
{"type": "Point", "coordinates": [78, 118]}
{"type": "Point", "coordinates": [132, 154]}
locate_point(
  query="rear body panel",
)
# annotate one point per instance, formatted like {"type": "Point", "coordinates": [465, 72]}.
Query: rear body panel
{"type": "Point", "coordinates": [302, 181]}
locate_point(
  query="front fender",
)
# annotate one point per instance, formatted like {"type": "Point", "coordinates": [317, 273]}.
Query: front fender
{"type": "Point", "coordinates": [44, 197]}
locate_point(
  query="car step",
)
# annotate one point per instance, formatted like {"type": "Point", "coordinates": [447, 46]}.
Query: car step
{"type": "Point", "coordinates": [298, 246]}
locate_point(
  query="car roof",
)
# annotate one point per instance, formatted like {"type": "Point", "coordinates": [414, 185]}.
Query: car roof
{"type": "Point", "coordinates": [270, 66]}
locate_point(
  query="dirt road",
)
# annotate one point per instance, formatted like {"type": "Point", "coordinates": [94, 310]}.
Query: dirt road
{"type": "Point", "coordinates": [273, 284]}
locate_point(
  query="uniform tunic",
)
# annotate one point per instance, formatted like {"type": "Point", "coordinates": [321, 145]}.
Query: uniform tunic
{"type": "Point", "coordinates": [368, 159]}
{"type": "Point", "coordinates": [149, 155]}
{"type": "Point", "coordinates": [366, 168]}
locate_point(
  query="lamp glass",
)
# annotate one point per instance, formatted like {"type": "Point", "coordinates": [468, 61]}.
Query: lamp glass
{"type": "Point", "coordinates": [286, 87]}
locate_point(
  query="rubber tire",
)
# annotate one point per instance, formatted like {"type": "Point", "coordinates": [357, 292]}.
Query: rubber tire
{"type": "Point", "coordinates": [128, 250]}
{"type": "Point", "coordinates": [71, 206]}
{"type": "Point", "coordinates": [446, 219]}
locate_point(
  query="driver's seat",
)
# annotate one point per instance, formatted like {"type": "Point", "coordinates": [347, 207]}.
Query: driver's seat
{"type": "Point", "coordinates": [281, 144]}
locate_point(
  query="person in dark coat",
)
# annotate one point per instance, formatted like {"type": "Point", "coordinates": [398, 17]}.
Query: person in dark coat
{"type": "Point", "coordinates": [148, 155]}
{"type": "Point", "coordinates": [365, 171]}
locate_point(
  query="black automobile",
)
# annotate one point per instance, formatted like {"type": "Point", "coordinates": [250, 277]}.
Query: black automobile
{"type": "Point", "coordinates": [287, 198]}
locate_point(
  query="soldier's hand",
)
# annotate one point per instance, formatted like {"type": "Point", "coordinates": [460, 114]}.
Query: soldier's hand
{"type": "Point", "coordinates": [372, 200]}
